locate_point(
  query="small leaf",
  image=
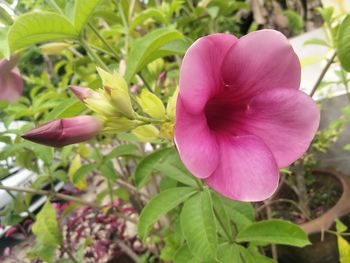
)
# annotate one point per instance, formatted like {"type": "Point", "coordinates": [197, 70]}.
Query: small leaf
{"type": "Point", "coordinates": [82, 12]}
{"type": "Point", "coordinates": [145, 15]}
{"type": "Point", "coordinates": [145, 46]}
{"type": "Point", "coordinates": [199, 227]}
{"type": "Point", "coordinates": [46, 227]}
{"type": "Point", "coordinates": [274, 231]}
{"type": "Point", "coordinates": [343, 46]}
{"type": "Point", "coordinates": [316, 41]}
{"type": "Point", "coordinates": [67, 108]}
{"type": "Point", "coordinates": [146, 166]}
{"type": "Point", "coordinates": [33, 28]}
{"type": "Point", "coordinates": [122, 150]}
{"type": "Point", "coordinates": [160, 205]}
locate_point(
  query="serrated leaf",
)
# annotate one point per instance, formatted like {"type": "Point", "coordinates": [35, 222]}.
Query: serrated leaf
{"type": "Point", "coordinates": [274, 231]}
{"type": "Point", "coordinates": [343, 44]}
{"type": "Point", "coordinates": [160, 205]}
{"type": "Point", "coordinates": [199, 227]}
{"type": "Point", "coordinates": [146, 165]}
{"type": "Point", "coordinates": [145, 46]}
{"type": "Point", "coordinates": [46, 228]}
{"type": "Point", "coordinates": [82, 12]}
{"type": "Point", "coordinates": [37, 27]}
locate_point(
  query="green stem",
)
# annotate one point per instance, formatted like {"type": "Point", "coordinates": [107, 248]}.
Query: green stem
{"type": "Point", "coordinates": [149, 120]}
{"type": "Point", "coordinates": [104, 41]}
{"type": "Point", "coordinates": [70, 255]}
{"type": "Point", "coordinates": [229, 236]}
{"type": "Point", "coordinates": [323, 73]}
{"type": "Point", "coordinates": [93, 55]}
{"type": "Point", "coordinates": [145, 82]}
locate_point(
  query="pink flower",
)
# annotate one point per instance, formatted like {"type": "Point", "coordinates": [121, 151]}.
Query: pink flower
{"type": "Point", "coordinates": [61, 132]}
{"type": "Point", "coordinates": [11, 83]}
{"type": "Point", "coordinates": [240, 116]}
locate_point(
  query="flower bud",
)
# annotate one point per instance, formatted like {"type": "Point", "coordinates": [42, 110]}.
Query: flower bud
{"type": "Point", "coordinates": [54, 48]}
{"type": "Point", "coordinates": [171, 106]}
{"type": "Point", "coordinates": [62, 132]}
{"type": "Point", "coordinates": [151, 104]}
{"type": "Point", "coordinates": [11, 83]}
{"type": "Point", "coordinates": [120, 124]}
{"type": "Point", "coordinates": [83, 93]}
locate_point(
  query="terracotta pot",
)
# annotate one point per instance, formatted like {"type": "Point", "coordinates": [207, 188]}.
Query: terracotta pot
{"type": "Point", "coordinates": [324, 248]}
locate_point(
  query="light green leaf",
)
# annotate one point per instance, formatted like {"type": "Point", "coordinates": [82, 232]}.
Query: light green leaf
{"type": "Point", "coordinates": [228, 253]}
{"type": "Point", "coordinates": [67, 108]}
{"type": "Point", "coordinates": [316, 41]}
{"type": "Point", "coordinates": [46, 227]}
{"type": "Point", "coordinates": [147, 14]}
{"type": "Point", "coordinates": [160, 205]}
{"type": "Point", "coordinates": [122, 150]}
{"type": "Point", "coordinates": [145, 46]}
{"type": "Point", "coordinates": [44, 251]}
{"type": "Point", "coordinates": [4, 47]}
{"type": "Point", "coordinates": [146, 166]}
{"type": "Point", "coordinates": [274, 231]}
{"type": "Point", "coordinates": [175, 173]}
{"type": "Point", "coordinates": [343, 46]}
{"type": "Point", "coordinates": [184, 255]}
{"type": "Point", "coordinates": [199, 227]}
{"type": "Point", "coordinates": [344, 250]}
{"type": "Point", "coordinates": [33, 28]}
{"type": "Point", "coordinates": [82, 12]}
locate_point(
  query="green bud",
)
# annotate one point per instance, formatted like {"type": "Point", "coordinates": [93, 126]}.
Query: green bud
{"type": "Point", "coordinates": [171, 106]}
{"type": "Point", "coordinates": [54, 48]}
{"type": "Point", "coordinates": [120, 124]}
{"type": "Point", "coordinates": [116, 90]}
{"type": "Point", "coordinates": [146, 133]}
{"type": "Point", "coordinates": [156, 66]}
{"type": "Point", "coordinates": [151, 105]}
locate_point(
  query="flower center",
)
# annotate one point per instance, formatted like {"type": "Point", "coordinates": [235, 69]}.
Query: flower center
{"type": "Point", "coordinates": [223, 115]}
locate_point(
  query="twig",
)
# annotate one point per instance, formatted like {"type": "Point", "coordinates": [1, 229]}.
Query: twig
{"type": "Point", "coordinates": [128, 251]}
{"type": "Point", "coordinates": [323, 73]}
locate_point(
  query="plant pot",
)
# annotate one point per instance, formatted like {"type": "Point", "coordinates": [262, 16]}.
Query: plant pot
{"type": "Point", "coordinates": [324, 248]}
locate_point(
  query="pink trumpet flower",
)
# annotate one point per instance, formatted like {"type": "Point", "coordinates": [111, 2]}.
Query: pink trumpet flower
{"type": "Point", "coordinates": [240, 114]}
{"type": "Point", "coordinates": [11, 83]}
{"type": "Point", "coordinates": [62, 132]}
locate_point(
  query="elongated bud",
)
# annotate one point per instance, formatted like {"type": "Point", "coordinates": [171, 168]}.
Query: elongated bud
{"type": "Point", "coordinates": [11, 83]}
{"type": "Point", "coordinates": [151, 104]}
{"type": "Point", "coordinates": [83, 93]}
{"type": "Point", "coordinates": [54, 48]}
{"type": "Point", "coordinates": [62, 132]}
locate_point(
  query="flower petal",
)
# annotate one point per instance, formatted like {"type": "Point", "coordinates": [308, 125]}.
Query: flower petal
{"type": "Point", "coordinates": [11, 86]}
{"type": "Point", "coordinates": [200, 70]}
{"type": "Point", "coordinates": [247, 170]}
{"type": "Point", "coordinates": [258, 61]}
{"type": "Point", "coordinates": [286, 120]}
{"type": "Point", "coordinates": [197, 147]}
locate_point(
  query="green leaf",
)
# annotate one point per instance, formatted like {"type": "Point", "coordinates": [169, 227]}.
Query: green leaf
{"type": "Point", "coordinates": [160, 205]}
{"type": "Point", "coordinates": [316, 41]}
{"type": "Point", "coordinates": [147, 14]}
{"type": "Point", "coordinates": [33, 28]}
{"type": "Point", "coordinates": [145, 46]}
{"type": "Point", "coordinates": [175, 173]}
{"type": "Point", "coordinates": [199, 227]}
{"type": "Point", "coordinates": [108, 171]}
{"type": "Point", "coordinates": [228, 253]}
{"type": "Point", "coordinates": [122, 150]}
{"type": "Point", "coordinates": [46, 227]}
{"type": "Point", "coordinates": [258, 257]}
{"type": "Point", "coordinates": [67, 108]}
{"type": "Point", "coordinates": [274, 231]}
{"type": "Point", "coordinates": [44, 251]}
{"type": "Point", "coordinates": [343, 46]}
{"type": "Point", "coordinates": [184, 255]}
{"type": "Point", "coordinates": [4, 47]}
{"type": "Point", "coordinates": [82, 12]}
{"type": "Point", "coordinates": [80, 174]}
{"type": "Point", "coordinates": [146, 165]}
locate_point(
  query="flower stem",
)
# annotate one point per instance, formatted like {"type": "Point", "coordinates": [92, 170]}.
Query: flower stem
{"type": "Point", "coordinates": [323, 73]}
{"type": "Point", "coordinates": [93, 55]}
{"type": "Point", "coordinates": [104, 41]}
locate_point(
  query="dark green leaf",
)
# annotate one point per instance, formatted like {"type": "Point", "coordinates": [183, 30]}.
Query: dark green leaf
{"type": "Point", "coordinates": [343, 46]}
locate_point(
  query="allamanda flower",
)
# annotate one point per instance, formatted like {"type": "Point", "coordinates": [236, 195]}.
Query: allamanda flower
{"type": "Point", "coordinates": [240, 114]}
{"type": "Point", "coordinates": [11, 83]}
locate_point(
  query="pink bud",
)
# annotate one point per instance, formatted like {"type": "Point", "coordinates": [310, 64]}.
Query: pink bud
{"type": "Point", "coordinates": [11, 83]}
{"type": "Point", "coordinates": [83, 93]}
{"type": "Point", "coordinates": [62, 132]}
